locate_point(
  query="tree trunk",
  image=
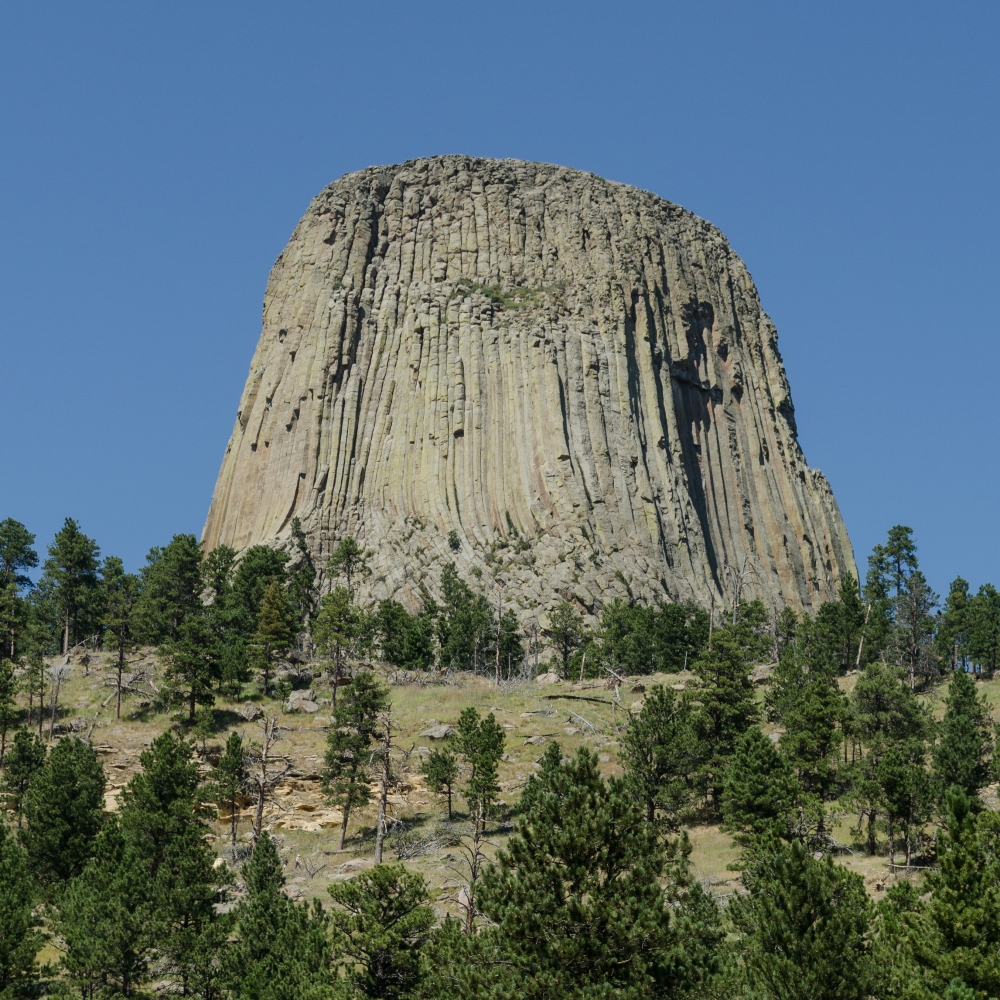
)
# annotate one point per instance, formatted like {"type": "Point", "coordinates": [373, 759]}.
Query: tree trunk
{"type": "Point", "coordinates": [118, 684]}
{"type": "Point", "coordinates": [383, 790]}
{"type": "Point", "coordinates": [449, 803]}
{"type": "Point", "coordinates": [892, 845]}
{"type": "Point", "coordinates": [55, 705]}
{"type": "Point", "coordinates": [258, 819]}
{"type": "Point", "coordinates": [343, 829]}
{"type": "Point", "coordinates": [233, 823]}
{"type": "Point", "coordinates": [65, 648]}
{"type": "Point", "coordinates": [871, 832]}
{"type": "Point", "coordinates": [191, 710]}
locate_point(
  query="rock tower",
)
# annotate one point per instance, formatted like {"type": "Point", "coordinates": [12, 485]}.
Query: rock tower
{"type": "Point", "coordinates": [564, 385]}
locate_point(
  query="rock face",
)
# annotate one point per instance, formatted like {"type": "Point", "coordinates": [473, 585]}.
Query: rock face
{"type": "Point", "coordinates": [566, 386]}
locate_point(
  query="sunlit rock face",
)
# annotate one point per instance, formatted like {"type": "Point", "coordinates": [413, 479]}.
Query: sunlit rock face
{"type": "Point", "coordinates": [564, 385]}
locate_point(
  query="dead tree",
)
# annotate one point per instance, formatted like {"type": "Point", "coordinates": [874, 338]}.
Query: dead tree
{"type": "Point", "coordinates": [262, 781]}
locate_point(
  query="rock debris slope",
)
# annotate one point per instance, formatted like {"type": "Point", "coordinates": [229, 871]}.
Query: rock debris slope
{"type": "Point", "coordinates": [565, 385]}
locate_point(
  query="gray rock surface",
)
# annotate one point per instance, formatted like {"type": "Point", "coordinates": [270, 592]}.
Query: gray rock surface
{"type": "Point", "coordinates": [560, 383]}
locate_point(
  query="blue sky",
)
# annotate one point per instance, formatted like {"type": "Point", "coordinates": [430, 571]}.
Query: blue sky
{"type": "Point", "coordinates": [154, 159]}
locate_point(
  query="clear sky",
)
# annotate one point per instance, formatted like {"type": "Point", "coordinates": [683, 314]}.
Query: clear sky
{"type": "Point", "coordinates": [155, 157]}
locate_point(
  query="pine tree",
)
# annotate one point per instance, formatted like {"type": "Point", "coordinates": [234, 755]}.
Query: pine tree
{"type": "Point", "coordinates": [352, 732]}
{"type": "Point", "coordinates": [109, 919]}
{"type": "Point", "coordinates": [71, 570]}
{"type": "Point", "coordinates": [761, 797]}
{"type": "Point", "coordinates": [481, 743]}
{"type": "Point", "coordinates": [230, 779]}
{"type": "Point", "coordinates": [336, 629]}
{"type": "Point", "coordinates": [25, 759]}
{"type": "Point", "coordinates": [193, 662]}
{"type": "Point", "coordinates": [804, 926]}
{"type": "Point", "coordinates": [464, 624]}
{"type": "Point", "coordinates": [915, 625]}
{"type": "Point", "coordinates": [163, 821]}
{"type": "Point", "coordinates": [348, 560]}
{"type": "Point", "coordinates": [566, 633]}
{"type": "Point", "coordinates": [952, 630]}
{"type": "Point", "coordinates": [121, 616]}
{"type": "Point", "coordinates": [281, 948]}
{"type": "Point", "coordinates": [381, 921]}
{"type": "Point", "coordinates": [20, 939]}
{"type": "Point", "coordinates": [727, 708]}
{"type": "Point", "coordinates": [441, 770]}
{"type": "Point", "coordinates": [274, 632]}
{"type": "Point", "coordinates": [983, 629]}
{"type": "Point", "coordinates": [16, 555]}
{"type": "Point", "coordinates": [577, 902]}
{"type": "Point", "coordinates": [302, 576]}
{"type": "Point", "coordinates": [171, 589]}
{"type": "Point", "coordinates": [963, 753]}
{"type": "Point", "coordinates": [259, 567]}
{"type": "Point", "coordinates": [661, 753]}
{"type": "Point", "coordinates": [8, 704]}
{"type": "Point", "coordinates": [63, 809]}
{"type": "Point", "coordinates": [405, 640]}
{"type": "Point", "coordinates": [957, 943]}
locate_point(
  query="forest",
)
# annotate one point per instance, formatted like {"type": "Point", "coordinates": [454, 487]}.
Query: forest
{"type": "Point", "coordinates": [790, 721]}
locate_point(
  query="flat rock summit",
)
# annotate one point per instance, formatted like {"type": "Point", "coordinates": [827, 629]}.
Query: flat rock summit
{"type": "Point", "coordinates": [564, 385]}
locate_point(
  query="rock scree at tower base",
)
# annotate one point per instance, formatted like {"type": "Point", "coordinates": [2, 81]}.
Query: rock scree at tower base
{"type": "Point", "coordinates": [564, 385]}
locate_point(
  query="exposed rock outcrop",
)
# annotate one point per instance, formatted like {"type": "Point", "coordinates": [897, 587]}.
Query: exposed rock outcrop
{"type": "Point", "coordinates": [555, 381]}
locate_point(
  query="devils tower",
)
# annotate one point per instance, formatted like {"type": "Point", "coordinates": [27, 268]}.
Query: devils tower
{"type": "Point", "coordinates": [566, 386]}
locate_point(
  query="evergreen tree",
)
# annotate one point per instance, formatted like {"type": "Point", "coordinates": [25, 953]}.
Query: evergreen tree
{"type": "Point", "coordinates": [108, 919]}
{"type": "Point", "coordinates": [20, 939]}
{"type": "Point", "coordinates": [952, 632]}
{"type": "Point", "coordinates": [171, 589]}
{"type": "Point", "coordinates": [348, 746]}
{"type": "Point", "coordinates": [464, 624]}
{"type": "Point", "coordinates": [336, 629]}
{"type": "Point", "coordinates": [905, 789]}
{"type": "Point", "coordinates": [16, 555]}
{"type": "Point", "coordinates": [441, 770]}
{"type": "Point", "coordinates": [275, 627]}
{"type": "Point", "coordinates": [348, 560]}
{"type": "Point", "coordinates": [761, 797]}
{"type": "Point", "coordinates": [230, 781]}
{"type": "Point", "coordinates": [193, 663]}
{"type": "Point", "coordinates": [804, 926]}
{"type": "Point", "coordinates": [728, 708]}
{"type": "Point", "coordinates": [380, 924]}
{"type": "Point", "coordinates": [301, 576]}
{"type": "Point", "coordinates": [885, 714]}
{"type": "Point", "coordinates": [63, 808]}
{"type": "Point", "coordinates": [121, 616]}
{"type": "Point", "coordinates": [259, 567]}
{"type": "Point", "coordinates": [217, 572]}
{"type": "Point", "coordinates": [8, 704]}
{"type": "Point", "coordinates": [406, 640]}
{"type": "Point", "coordinates": [25, 759]}
{"type": "Point", "coordinates": [566, 633]}
{"type": "Point", "coordinates": [481, 743]}
{"type": "Point", "coordinates": [915, 626]}
{"type": "Point", "coordinates": [71, 571]}
{"type": "Point", "coordinates": [806, 701]}
{"type": "Point", "coordinates": [957, 943]}
{"type": "Point", "coordinates": [577, 903]}
{"type": "Point", "coordinates": [281, 948]}
{"type": "Point", "coordinates": [964, 749]}
{"type": "Point", "coordinates": [163, 822]}
{"type": "Point", "coordinates": [983, 629]}
{"type": "Point", "coordinates": [661, 753]}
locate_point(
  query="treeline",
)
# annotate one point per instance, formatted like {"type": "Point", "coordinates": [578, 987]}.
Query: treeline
{"type": "Point", "coordinates": [222, 624]}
